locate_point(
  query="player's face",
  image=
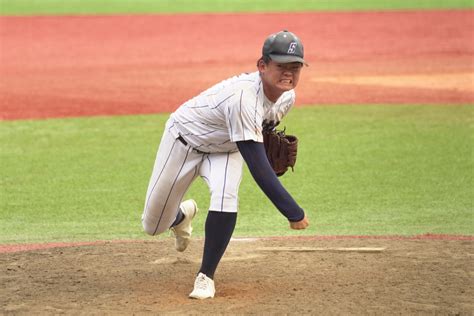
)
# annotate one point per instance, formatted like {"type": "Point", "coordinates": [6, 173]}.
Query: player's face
{"type": "Point", "coordinates": [279, 78]}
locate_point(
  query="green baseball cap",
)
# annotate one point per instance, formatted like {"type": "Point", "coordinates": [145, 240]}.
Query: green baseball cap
{"type": "Point", "coordinates": [284, 47]}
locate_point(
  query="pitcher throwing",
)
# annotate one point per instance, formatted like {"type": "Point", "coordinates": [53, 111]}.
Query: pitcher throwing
{"type": "Point", "coordinates": [210, 136]}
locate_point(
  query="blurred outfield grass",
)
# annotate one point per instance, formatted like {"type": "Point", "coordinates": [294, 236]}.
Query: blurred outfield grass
{"type": "Point", "coordinates": [63, 7]}
{"type": "Point", "coordinates": [373, 170]}
{"type": "Point", "coordinates": [368, 169]}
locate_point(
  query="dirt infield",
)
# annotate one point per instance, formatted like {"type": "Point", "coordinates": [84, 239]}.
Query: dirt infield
{"type": "Point", "coordinates": [285, 276]}
{"type": "Point", "coordinates": [96, 65]}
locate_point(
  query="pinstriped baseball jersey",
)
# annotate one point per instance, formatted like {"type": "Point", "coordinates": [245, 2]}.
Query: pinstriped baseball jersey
{"type": "Point", "coordinates": [230, 111]}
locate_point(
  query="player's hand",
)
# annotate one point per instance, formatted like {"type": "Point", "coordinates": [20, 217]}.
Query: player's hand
{"type": "Point", "coordinates": [302, 224]}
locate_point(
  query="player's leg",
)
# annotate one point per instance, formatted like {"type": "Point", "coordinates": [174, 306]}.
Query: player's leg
{"type": "Point", "coordinates": [223, 173]}
{"type": "Point", "coordinates": [175, 168]}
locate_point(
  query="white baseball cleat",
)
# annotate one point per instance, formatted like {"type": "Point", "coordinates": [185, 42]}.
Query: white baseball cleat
{"type": "Point", "coordinates": [183, 230]}
{"type": "Point", "coordinates": [203, 287]}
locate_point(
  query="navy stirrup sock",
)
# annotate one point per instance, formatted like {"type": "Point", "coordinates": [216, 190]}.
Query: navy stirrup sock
{"type": "Point", "coordinates": [219, 228]}
{"type": "Point", "coordinates": [179, 218]}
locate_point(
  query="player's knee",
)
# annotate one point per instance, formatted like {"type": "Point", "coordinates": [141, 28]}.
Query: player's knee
{"type": "Point", "coordinates": [151, 229]}
{"type": "Point", "coordinates": [148, 229]}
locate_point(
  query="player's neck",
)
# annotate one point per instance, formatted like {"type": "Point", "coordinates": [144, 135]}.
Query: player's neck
{"type": "Point", "coordinates": [271, 93]}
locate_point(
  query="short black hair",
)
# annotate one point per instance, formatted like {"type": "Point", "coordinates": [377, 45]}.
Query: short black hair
{"type": "Point", "coordinates": [266, 59]}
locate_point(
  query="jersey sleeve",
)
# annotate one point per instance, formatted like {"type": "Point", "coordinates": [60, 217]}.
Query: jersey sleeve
{"type": "Point", "coordinates": [257, 162]}
{"type": "Point", "coordinates": [244, 116]}
{"type": "Point", "coordinates": [279, 110]}
{"type": "Point", "coordinates": [286, 103]}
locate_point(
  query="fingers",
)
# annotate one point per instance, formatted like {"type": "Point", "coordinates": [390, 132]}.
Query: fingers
{"type": "Point", "coordinates": [302, 224]}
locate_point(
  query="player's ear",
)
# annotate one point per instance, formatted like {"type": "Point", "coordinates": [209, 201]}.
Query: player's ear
{"type": "Point", "coordinates": [261, 65]}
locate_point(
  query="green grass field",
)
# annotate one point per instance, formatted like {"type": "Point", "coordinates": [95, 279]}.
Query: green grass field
{"type": "Point", "coordinates": [372, 170]}
{"type": "Point", "coordinates": [60, 7]}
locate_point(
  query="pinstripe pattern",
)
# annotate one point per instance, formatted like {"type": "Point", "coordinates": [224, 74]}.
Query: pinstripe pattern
{"type": "Point", "coordinates": [171, 189]}
{"type": "Point", "coordinates": [222, 173]}
{"type": "Point", "coordinates": [176, 166]}
{"type": "Point", "coordinates": [230, 123]}
{"type": "Point", "coordinates": [205, 177]}
{"type": "Point", "coordinates": [257, 99]}
{"type": "Point", "coordinates": [232, 110]}
{"type": "Point", "coordinates": [224, 182]}
{"type": "Point", "coordinates": [209, 105]}
{"type": "Point", "coordinates": [159, 176]}
{"type": "Point", "coordinates": [205, 148]}
{"type": "Point", "coordinates": [241, 118]}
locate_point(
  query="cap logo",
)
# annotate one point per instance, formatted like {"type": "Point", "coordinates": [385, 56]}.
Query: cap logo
{"type": "Point", "coordinates": [292, 48]}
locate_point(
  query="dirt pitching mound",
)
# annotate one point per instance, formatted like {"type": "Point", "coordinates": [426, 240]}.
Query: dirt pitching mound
{"type": "Point", "coordinates": [285, 276]}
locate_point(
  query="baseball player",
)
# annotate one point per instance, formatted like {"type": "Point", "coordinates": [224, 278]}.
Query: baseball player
{"type": "Point", "coordinates": [210, 136]}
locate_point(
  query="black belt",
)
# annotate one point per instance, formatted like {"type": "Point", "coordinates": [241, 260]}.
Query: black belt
{"type": "Point", "coordinates": [181, 139]}
{"type": "Point", "coordinates": [185, 143]}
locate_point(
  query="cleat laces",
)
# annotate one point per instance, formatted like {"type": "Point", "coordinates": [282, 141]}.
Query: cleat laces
{"type": "Point", "coordinates": [201, 283]}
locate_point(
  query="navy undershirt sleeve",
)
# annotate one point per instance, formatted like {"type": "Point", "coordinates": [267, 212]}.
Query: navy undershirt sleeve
{"type": "Point", "coordinates": [257, 162]}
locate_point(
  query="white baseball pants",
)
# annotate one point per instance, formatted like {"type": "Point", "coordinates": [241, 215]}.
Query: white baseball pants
{"type": "Point", "coordinates": [176, 167]}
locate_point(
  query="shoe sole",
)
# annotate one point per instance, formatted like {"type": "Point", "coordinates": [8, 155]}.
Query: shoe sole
{"type": "Point", "coordinates": [200, 298]}
{"type": "Point", "coordinates": [195, 210]}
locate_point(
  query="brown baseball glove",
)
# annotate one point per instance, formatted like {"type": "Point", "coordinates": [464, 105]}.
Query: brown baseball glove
{"type": "Point", "coordinates": [281, 150]}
